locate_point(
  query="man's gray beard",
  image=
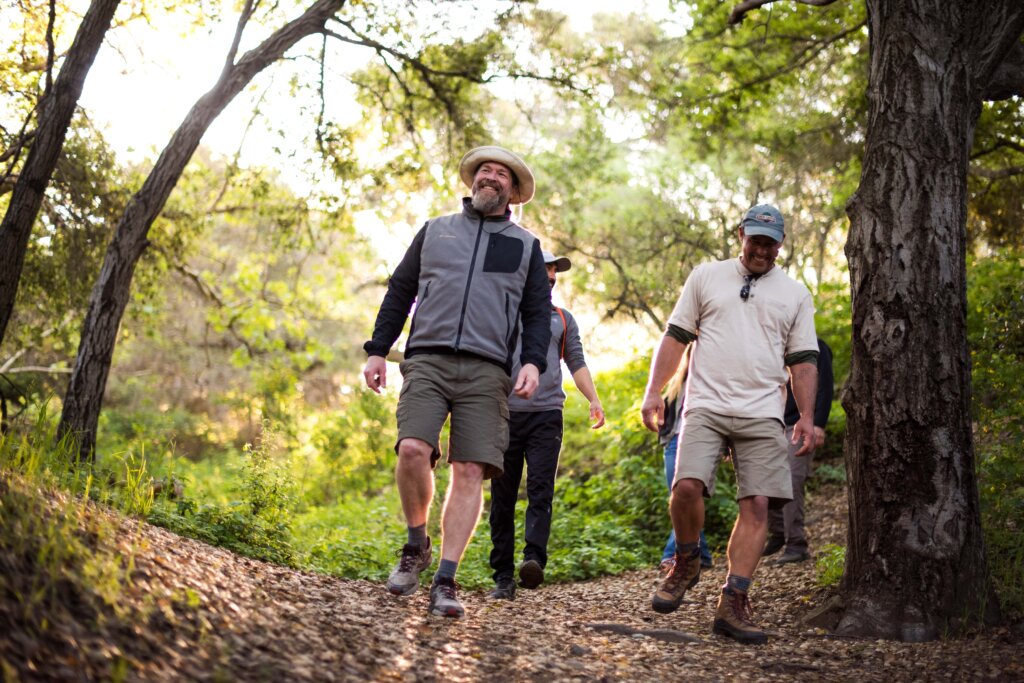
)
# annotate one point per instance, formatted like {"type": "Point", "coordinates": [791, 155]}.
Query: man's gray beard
{"type": "Point", "coordinates": [489, 203]}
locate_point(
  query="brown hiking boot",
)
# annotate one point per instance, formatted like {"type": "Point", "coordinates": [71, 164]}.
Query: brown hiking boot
{"type": "Point", "coordinates": [734, 618]}
{"type": "Point", "coordinates": [682, 577]}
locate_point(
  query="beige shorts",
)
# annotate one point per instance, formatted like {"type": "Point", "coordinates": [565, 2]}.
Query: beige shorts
{"type": "Point", "coordinates": [759, 453]}
{"type": "Point", "coordinates": [475, 394]}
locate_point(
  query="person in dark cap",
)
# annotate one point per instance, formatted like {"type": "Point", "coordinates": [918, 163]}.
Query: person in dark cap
{"type": "Point", "coordinates": [751, 327]}
{"type": "Point", "coordinates": [474, 276]}
{"type": "Point", "coordinates": [535, 439]}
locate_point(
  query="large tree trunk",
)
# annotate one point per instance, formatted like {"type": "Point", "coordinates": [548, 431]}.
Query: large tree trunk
{"type": "Point", "coordinates": [55, 112]}
{"type": "Point", "coordinates": [111, 291]}
{"type": "Point", "coordinates": [915, 563]}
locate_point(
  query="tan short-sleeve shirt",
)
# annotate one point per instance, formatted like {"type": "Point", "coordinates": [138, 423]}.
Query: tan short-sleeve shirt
{"type": "Point", "coordinates": [738, 367]}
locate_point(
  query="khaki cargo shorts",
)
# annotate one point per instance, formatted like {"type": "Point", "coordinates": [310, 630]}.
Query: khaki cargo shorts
{"type": "Point", "coordinates": [473, 391]}
{"type": "Point", "coordinates": [759, 452]}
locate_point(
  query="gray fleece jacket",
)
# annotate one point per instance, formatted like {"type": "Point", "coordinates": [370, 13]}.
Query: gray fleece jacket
{"type": "Point", "coordinates": [473, 278]}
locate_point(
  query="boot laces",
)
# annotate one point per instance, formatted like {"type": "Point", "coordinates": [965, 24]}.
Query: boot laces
{"type": "Point", "coordinates": [742, 608]}
{"type": "Point", "coordinates": [410, 558]}
{"type": "Point", "coordinates": [678, 573]}
{"type": "Point", "coordinates": [446, 589]}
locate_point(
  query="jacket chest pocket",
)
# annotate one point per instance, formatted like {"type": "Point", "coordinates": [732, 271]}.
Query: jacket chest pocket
{"type": "Point", "coordinates": [503, 255]}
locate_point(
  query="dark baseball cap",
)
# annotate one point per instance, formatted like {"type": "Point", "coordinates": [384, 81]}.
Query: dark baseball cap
{"type": "Point", "coordinates": [562, 264]}
{"type": "Point", "coordinates": [764, 219]}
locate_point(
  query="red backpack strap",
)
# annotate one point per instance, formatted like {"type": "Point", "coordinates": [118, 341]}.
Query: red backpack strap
{"type": "Point", "coordinates": [565, 330]}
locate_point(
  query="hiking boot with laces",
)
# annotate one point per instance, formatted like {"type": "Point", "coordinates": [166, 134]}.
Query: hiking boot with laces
{"type": "Point", "coordinates": [405, 577]}
{"type": "Point", "coordinates": [504, 589]}
{"type": "Point", "coordinates": [443, 602]}
{"type": "Point", "coordinates": [734, 618]}
{"type": "Point", "coordinates": [682, 577]}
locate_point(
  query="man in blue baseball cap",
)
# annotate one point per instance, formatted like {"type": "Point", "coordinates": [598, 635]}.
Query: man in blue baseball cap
{"type": "Point", "coordinates": [744, 349]}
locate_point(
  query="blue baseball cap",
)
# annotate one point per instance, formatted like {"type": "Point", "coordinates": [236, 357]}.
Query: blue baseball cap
{"type": "Point", "coordinates": [764, 219]}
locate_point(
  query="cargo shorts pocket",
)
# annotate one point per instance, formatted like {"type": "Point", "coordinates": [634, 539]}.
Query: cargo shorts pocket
{"type": "Point", "coordinates": [501, 433]}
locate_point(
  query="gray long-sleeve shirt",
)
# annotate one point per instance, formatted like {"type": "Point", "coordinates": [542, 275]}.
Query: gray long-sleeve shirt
{"type": "Point", "coordinates": [549, 394]}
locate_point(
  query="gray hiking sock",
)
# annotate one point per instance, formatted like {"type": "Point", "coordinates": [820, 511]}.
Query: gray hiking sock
{"type": "Point", "coordinates": [737, 584]}
{"type": "Point", "coordinates": [689, 549]}
{"type": "Point", "coordinates": [417, 535]}
{"type": "Point", "coordinates": [446, 570]}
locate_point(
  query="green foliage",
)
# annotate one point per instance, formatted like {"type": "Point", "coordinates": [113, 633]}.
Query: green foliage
{"type": "Point", "coordinates": [258, 525]}
{"type": "Point", "coordinates": [54, 542]}
{"type": "Point", "coordinates": [996, 198]}
{"type": "Point", "coordinates": [356, 538]}
{"type": "Point", "coordinates": [355, 447]}
{"type": "Point", "coordinates": [829, 563]}
{"type": "Point", "coordinates": [827, 473]}
{"type": "Point", "coordinates": [49, 540]}
{"type": "Point", "coordinates": [996, 338]}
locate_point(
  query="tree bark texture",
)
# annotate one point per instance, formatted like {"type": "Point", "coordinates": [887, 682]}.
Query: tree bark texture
{"type": "Point", "coordinates": [111, 292]}
{"type": "Point", "coordinates": [915, 564]}
{"type": "Point", "coordinates": [56, 108]}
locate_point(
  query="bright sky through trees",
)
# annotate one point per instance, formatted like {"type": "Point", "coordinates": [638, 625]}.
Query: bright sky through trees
{"type": "Point", "coordinates": [167, 63]}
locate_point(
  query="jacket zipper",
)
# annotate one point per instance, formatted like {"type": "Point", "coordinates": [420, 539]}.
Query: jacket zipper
{"type": "Point", "coordinates": [508, 324]}
{"type": "Point", "coordinates": [469, 281]}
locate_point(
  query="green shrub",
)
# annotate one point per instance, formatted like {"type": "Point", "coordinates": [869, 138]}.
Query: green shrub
{"type": "Point", "coordinates": [830, 561]}
{"type": "Point", "coordinates": [354, 448]}
{"type": "Point", "coordinates": [828, 473]}
{"type": "Point", "coordinates": [258, 525]}
{"type": "Point", "coordinates": [354, 538]}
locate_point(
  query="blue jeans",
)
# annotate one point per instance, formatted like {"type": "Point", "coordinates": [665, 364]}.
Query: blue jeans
{"type": "Point", "coordinates": [670, 473]}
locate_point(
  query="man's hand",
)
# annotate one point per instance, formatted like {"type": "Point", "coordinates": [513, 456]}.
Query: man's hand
{"type": "Point", "coordinates": [526, 382]}
{"type": "Point", "coordinates": [597, 415]}
{"type": "Point", "coordinates": [819, 437]}
{"type": "Point", "coordinates": [376, 373]}
{"type": "Point", "coordinates": [653, 411]}
{"type": "Point", "coordinates": [803, 431]}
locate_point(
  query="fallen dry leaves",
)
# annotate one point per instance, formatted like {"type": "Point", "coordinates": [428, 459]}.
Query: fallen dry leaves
{"type": "Point", "coordinates": [218, 616]}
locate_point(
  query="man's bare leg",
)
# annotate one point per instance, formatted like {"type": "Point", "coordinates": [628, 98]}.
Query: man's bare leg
{"type": "Point", "coordinates": [458, 519]}
{"type": "Point", "coordinates": [686, 508]}
{"type": "Point", "coordinates": [734, 617]}
{"type": "Point", "coordinates": [462, 508]}
{"type": "Point", "coordinates": [748, 536]}
{"type": "Point", "coordinates": [415, 480]}
{"type": "Point", "coordinates": [687, 511]}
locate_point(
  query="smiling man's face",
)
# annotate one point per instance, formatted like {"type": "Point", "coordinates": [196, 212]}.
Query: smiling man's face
{"type": "Point", "coordinates": [759, 252]}
{"type": "Point", "coordinates": [492, 187]}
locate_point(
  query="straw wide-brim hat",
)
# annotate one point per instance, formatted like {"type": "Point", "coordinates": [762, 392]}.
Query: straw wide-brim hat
{"type": "Point", "coordinates": [474, 157]}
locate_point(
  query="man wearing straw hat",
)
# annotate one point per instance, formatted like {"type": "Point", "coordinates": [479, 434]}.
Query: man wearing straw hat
{"type": "Point", "coordinates": [474, 276]}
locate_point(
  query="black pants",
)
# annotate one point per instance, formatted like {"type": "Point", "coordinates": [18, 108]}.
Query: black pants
{"type": "Point", "coordinates": [534, 439]}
